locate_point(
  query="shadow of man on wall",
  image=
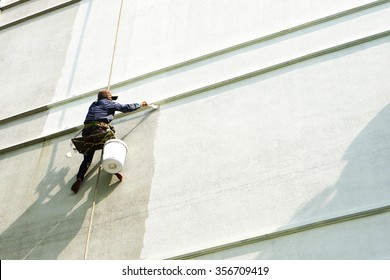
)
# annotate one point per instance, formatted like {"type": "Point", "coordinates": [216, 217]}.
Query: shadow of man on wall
{"type": "Point", "coordinates": [365, 179]}
{"type": "Point", "coordinates": [363, 184]}
{"type": "Point", "coordinates": [56, 224]}
{"type": "Point", "coordinates": [49, 224]}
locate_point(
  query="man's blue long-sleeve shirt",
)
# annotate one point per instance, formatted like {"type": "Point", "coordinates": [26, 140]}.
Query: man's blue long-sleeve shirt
{"type": "Point", "coordinates": [103, 110]}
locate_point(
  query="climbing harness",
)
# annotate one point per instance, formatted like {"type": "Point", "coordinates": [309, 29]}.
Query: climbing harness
{"type": "Point", "coordinates": [94, 141]}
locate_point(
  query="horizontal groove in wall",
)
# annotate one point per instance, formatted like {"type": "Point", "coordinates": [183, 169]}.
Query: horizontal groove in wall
{"type": "Point", "coordinates": [284, 232]}
{"type": "Point", "coordinates": [197, 59]}
{"type": "Point", "coordinates": [31, 16]}
{"type": "Point", "coordinates": [221, 84]}
{"type": "Point", "coordinates": [7, 6]}
{"type": "Point", "coordinates": [277, 66]}
{"type": "Point", "coordinates": [254, 41]}
{"type": "Point", "coordinates": [40, 139]}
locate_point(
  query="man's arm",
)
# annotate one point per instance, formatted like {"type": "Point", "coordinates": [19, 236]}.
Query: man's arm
{"type": "Point", "coordinates": [124, 108]}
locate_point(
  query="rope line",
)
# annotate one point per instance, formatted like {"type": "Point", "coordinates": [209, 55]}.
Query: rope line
{"type": "Point", "coordinates": [115, 42]}
{"type": "Point", "coordinates": [92, 211]}
{"type": "Point", "coordinates": [101, 157]}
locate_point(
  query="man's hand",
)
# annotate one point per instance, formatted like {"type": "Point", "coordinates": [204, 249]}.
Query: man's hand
{"type": "Point", "coordinates": [144, 104]}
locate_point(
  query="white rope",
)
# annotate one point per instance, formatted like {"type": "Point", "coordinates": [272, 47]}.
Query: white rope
{"type": "Point", "coordinates": [101, 157]}
{"type": "Point", "coordinates": [92, 211]}
{"type": "Point", "coordinates": [114, 49]}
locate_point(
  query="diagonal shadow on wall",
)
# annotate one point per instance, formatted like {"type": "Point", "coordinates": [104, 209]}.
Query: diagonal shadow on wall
{"type": "Point", "coordinates": [55, 225]}
{"type": "Point", "coordinates": [363, 184]}
{"type": "Point", "coordinates": [48, 225]}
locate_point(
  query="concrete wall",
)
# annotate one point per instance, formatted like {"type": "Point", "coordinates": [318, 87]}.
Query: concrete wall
{"type": "Point", "coordinates": [271, 141]}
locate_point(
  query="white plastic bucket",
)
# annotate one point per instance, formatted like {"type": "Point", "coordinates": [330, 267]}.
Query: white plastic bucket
{"type": "Point", "coordinates": [114, 154]}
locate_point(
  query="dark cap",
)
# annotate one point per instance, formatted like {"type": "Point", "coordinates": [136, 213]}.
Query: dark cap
{"type": "Point", "coordinates": [105, 93]}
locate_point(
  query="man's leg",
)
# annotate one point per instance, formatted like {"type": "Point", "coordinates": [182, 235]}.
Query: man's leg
{"type": "Point", "coordinates": [119, 176]}
{"type": "Point", "coordinates": [82, 171]}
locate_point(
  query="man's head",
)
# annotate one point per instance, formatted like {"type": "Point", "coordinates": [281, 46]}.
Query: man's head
{"type": "Point", "coordinates": [106, 94]}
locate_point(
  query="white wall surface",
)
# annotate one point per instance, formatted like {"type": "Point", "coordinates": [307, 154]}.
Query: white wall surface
{"type": "Point", "coordinates": [197, 75]}
{"type": "Point", "coordinates": [351, 240]}
{"type": "Point", "coordinates": [265, 156]}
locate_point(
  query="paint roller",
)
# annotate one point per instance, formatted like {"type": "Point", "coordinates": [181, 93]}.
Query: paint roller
{"type": "Point", "coordinates": [154, 106]}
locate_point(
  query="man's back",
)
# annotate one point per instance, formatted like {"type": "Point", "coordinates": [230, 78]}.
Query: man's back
{"type": "Point", "coordinates": [103, 110]}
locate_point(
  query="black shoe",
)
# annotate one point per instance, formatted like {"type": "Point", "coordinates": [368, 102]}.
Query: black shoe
{"type": "Point", "coordinates": [76, 186]}
{"type": "Point", "coordinates": [119, 176]}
